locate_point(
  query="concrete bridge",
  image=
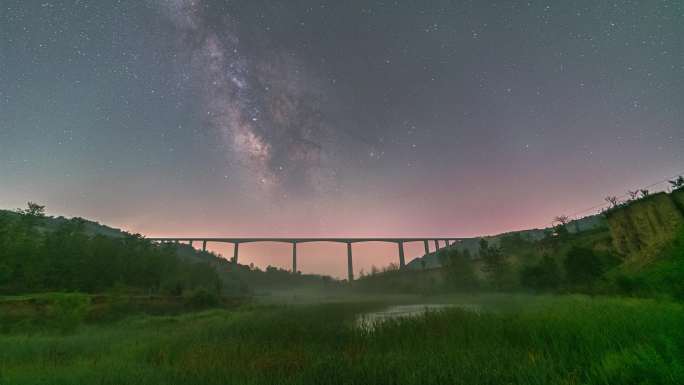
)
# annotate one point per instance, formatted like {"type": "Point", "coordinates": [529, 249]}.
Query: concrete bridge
{"type": "Point", "coordinates": [294, 241]}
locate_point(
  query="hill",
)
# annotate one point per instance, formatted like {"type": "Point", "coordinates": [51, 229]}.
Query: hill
{"type": "Point", "coordinates": [432, 260]}
{"type": "Point", "coordinates": [635, 248]}
{"type": "Point", "coordinates": [42, 253]}
{"type": "Point", "coordinates": [89, 227]}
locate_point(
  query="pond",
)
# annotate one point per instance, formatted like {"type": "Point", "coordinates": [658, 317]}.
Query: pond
{"type": "Point", "coordinates": [370, 320]}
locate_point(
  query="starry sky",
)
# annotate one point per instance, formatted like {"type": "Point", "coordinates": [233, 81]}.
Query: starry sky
{"type": "Point", "coordinates": [335, 118]}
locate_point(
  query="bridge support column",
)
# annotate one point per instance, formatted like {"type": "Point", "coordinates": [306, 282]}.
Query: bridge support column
{"type": "Point", "coordinates": [294, 257]}
{"type": "Point", "coordinates": [350, 264]}
{"type": "Point", "coordinates": [402, 262]}
{"type": "Point", "coordinates": [190, 243]}
{"type": "Point", "coordinates": [446, 243]}
{"type": "Point", "coordinates": [427, 247]}
{"type": "Point", "coordinates": [204, 245]}
{"type": "Point", "coordinates": [436, 245]}
{"type": "Point", "coordinates": [235, 252]}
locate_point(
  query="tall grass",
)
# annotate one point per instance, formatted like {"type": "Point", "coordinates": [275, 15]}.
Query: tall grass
{"type": "Point", "coordinates": [568, 340]}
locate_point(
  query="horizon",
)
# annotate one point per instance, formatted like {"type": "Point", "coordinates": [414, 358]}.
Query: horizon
{"type": "Point", "coordinates": [374, 253]}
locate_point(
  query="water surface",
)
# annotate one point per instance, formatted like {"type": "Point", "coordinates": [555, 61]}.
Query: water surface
{"type": "Point", "coordinates": [370, 320]}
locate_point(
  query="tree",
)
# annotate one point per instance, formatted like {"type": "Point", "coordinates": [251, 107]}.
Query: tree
{"type": "Point", "coordinates": [633, 195]}
{"type": "Point", "coordinates": [543, 276]}
{"type": "Point", "coordinates": [582, 265]}
{"type": "Point", "coordinates": [460, 273]}
{"type": "Point", "coordinates": [495, 265]}
{"type": "Point", "coordinates": [644, 193]}
{"type": "Point", "coordinates": [443, 257]}
{"type": "Point", "coordinates": [613, 201]}
{"type": "Point", "coordinates": [562, 219]}
{"type": "Point", "coordinates": [34, 210]}
{"type": "Point", "coordinates": [484, 247]}
{"type": "Point", "coordinates": [560, 228]}
{"type": "Point", "coordinates": [66, 258]}
{"type": "Point", "coordinates": [677, 183]}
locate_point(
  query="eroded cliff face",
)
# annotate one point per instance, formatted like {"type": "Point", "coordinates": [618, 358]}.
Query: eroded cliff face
{"type": "Point", "coordinates": [646, 224]}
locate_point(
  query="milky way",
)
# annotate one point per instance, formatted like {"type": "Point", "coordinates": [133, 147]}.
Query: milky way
{"type": "Point", "coordinates": [336, 117]}
{"type": "Point", "coordinates": [265, 107]}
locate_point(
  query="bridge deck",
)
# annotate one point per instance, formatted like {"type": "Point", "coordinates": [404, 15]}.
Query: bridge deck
{"type": "Point", "coordinates": [448, 241]}
{"type": "Point", "coordinates": [303, 240]}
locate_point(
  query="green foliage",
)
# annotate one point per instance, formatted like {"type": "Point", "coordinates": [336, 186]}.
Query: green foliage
{"type": "Point", "coordinates": [65, 258]}
{"type": "Point", "coordinates": [34, 210]}
{"type": "Point", "coordinates": [495, 265]}
{"type": "Point", "coordinates": [273, 278]}
{"type": "Point", "coordinates": [583, 266]}
{"type": "Point", "coordinates": [543, 276]}
{"type": "Point", "coordinates": [516, 243]}
{"type": "Point", "coordinates": [68, 311]}
{"type": "Point", "coordinates": [202, 298]}
{"type": "Point", "coordinates": [460, 273]}
{"type": "Point", "coordinates": [392, 280]}
{"type": "Point", "coordinates": [562, 340]}
{"type": "Point", "coordinates": [678, 183]}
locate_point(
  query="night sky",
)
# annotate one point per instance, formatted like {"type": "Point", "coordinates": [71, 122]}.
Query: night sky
{"type": "Point", "coordinates": [335, 118]}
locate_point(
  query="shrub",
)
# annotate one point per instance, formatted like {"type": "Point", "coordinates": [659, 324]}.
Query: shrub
{"type": "Point", "coordinates": [496, 266]}
{"type": "Point", "coordinates": [201, 298]}
{"type": "Point", "coordinates": [459, 269]}
{"type": "Point", "coordinates": [543, 276]}
{"type": "Point", "coordinates": [67, 311]}
{"type": "Point", "coordinates": [584, 266]}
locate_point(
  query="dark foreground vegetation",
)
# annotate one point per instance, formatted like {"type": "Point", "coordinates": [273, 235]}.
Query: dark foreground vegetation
{"type": "Point", "coordinates": [44, 254]}
{"type": "Point", "coordinates": [513, 340]}
{"type": "Point", "coordinates": [38, 256]}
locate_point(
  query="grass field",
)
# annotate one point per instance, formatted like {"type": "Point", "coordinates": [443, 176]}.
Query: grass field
{"type": "Point", "coordinates": [531, 340]}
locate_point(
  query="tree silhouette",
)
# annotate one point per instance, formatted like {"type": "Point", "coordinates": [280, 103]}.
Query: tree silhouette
{"type": "Point", "coordinates": [677, 183]}
{"type": "Point", "coordinates": [561, 223]}
{"type": "Point", "coordinates": [562, 219]}
{"type": "Point", "coordinates": [613, 201]}
{"type": "Point", "coordinates": [34, 210]}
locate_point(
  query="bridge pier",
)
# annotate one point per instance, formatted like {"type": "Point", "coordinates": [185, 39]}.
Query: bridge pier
{"type": "Point", "coordinates": [350, 265]}
{"type": "Point", "coordinates": [402, 262]}
{"type": "Point", "coordinates": [171, 241]}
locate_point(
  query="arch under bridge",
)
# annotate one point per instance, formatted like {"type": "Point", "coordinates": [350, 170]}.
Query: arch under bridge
{"type": "Point", "coordinates": [294, 241]}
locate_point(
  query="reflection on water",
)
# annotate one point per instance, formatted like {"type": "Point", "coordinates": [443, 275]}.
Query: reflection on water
{"type": "Point", "coordinates": [370, 320]}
